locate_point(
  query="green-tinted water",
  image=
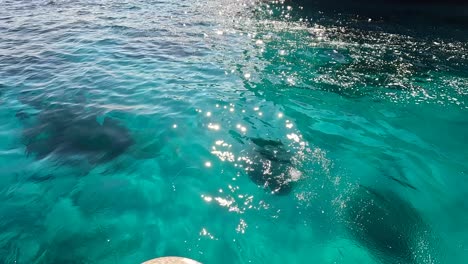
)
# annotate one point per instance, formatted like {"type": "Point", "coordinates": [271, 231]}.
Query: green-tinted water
{"type": "Point", "coordinates": [229, 132]}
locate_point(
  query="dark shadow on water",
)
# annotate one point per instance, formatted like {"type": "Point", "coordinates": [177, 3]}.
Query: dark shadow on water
{"type": "Point", "coordinates": [72, 136]}
{"type": "Point", "coordinates": [424, 18]}
{"type": "Point", "coordinates": [268, 164]}
{"type": "Point", "coordinates": [388, 226]}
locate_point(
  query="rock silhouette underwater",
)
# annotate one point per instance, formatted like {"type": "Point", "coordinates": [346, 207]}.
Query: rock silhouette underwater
{"type": "Point", "coordinates": [389, 227]}
{"type": "Point", "coordinates": [75, 136]}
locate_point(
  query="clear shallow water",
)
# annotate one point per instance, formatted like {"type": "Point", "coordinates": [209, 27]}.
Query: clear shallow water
{"type": "Point", "coordinates": [185, 86]}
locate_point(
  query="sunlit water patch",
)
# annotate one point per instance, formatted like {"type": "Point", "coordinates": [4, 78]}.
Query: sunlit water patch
{"type": "Point", "coordinates": [228, 132]}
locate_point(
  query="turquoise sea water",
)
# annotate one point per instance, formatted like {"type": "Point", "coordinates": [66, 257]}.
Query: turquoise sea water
{"type": "Point", "coordinates": [137, 129]}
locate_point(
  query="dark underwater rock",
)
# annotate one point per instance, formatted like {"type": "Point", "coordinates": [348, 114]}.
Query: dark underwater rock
{"type": "Point", "coordinates": [74, 137]}
{"type": "Point", "coordinates": [389, 227]}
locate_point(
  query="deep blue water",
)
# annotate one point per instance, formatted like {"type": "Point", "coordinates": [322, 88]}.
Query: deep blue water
{"type": "Point", "coordinates": [229, 132]}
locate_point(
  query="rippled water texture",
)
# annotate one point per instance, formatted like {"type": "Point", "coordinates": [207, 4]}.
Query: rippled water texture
{"type": "Point", "coordinates": [229, 132]}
